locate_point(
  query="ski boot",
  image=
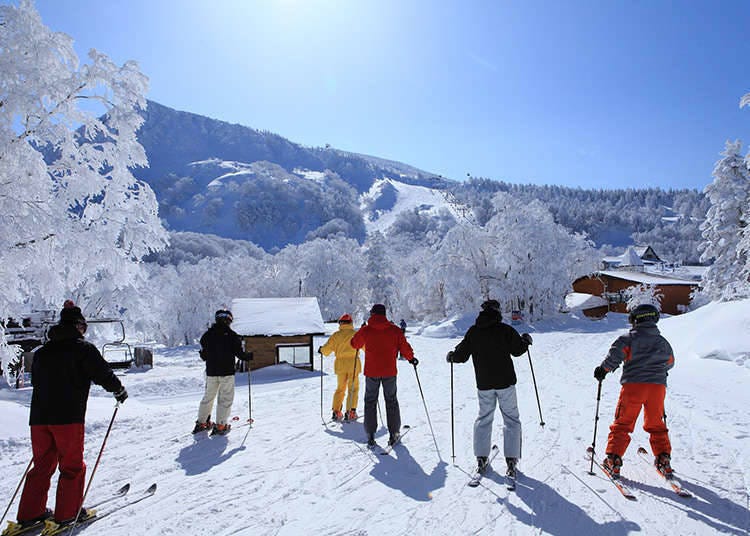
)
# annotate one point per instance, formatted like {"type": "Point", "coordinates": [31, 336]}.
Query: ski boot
{"type": "Point", "coordinates": [612, 464]}
{"type": "Point", "coordinates": [351, 415]}
{"type": "Point", "coordinates": [483, 463]}
{"type": "Point", "coordinates": [663, 465]}
{"type": "Point", "coordinates": [371, 440]}
{"type": "Point", "coordinates": [20, 527]}
{"type": "Point", "coordinates": [203, 426]}
{"type": "Point", "coordinates": [52, 527]}
{"type": "Point", "coordinates": [512, 470]}
{"type": "Point", "coordinates": [394, 438]}
{"type": "Point", "coordinates": [337, 416]}
{"type": "Point", "coordinates": [221, 429]}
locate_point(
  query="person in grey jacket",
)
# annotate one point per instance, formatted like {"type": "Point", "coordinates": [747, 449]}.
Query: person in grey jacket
{"type": "Point", "coordinates": [491, 343]}
{"type": "Point", "coordinates": [646, 357]}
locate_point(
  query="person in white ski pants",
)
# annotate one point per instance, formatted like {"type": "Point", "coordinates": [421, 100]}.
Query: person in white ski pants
{"type": "Point", "coordinates": [491, 344]}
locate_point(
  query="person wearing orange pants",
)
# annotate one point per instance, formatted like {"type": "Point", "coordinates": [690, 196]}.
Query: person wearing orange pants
{"type": "Point", "coordinates": [347, 368]}
{"type": "Point", "coordinates": [646, 357]}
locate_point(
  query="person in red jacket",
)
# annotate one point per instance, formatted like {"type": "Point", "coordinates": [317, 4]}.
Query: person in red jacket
{"type": "Point", "coordinates": [61, 374]}
{"type": "Point", "coordinates": [383, 341]}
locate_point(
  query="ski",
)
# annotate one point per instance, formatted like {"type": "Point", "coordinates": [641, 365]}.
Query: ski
{"type": "Point", "coordinates": [673, 482]}
{"type": "Point", "coordinates": [622, 488]}
{"type": "Point", "coordinates": [15, 528]}
{"type": "Point", "coordinates": [476, 478]}
{"type": "Point", "coordinates": [52, 529]}
{"type": "Point", "coordinates": [387, 450]}
{"type": "Point", "coordinates": [116, 495]}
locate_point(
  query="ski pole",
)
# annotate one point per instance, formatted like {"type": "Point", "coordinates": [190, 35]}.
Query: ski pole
{"type": "Point", "coordinates": [323, 419]}
{"type": "Point", "coordinates": [249, 395]}
{"type": "Point", "coordinates": [13, 498]}
{"type": "Point", "coordinates": [427, 413]}
{"type": "Point", "coordinates": [350, 395]}
{"type": "Point", "coordinates": [93, 471]}
{"type": "Point", "coordinates": [596, 422]}
{"type": "Point", "coordinates": [539, 405]}
{"type": "Point", "coordinates": [453, 435]}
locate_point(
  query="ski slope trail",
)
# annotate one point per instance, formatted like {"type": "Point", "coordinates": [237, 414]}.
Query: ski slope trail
{"type": "Point", "coordinates": [289, 474]}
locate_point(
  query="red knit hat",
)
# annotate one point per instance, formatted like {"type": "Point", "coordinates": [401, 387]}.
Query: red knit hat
{"type": "Point", "coordinates": [345, 319]}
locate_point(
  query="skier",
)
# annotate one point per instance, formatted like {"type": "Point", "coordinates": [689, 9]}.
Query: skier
{"type": "Point", "coordinates": [62, 372]}
{"type": "Point", "coordinates": [347, 368]}
{"type": "Point", "coordinates": [220, 345]}
{"type": "Point", "coordinates": [382, 341]}
{"type": "Point", "coordinates": [490, 342]}
{"type": "Point", "coordinates": [402, 325]}
{"type": "Point", "coordinates": [646, 357]}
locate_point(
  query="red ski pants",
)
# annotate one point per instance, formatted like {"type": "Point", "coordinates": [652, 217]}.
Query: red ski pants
{"type": "Point", "coordinates": [53, 445]}
{"type": "Point", "coordinates": [633, 396]}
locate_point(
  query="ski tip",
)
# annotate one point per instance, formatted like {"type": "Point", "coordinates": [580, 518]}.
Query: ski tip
{"type": "Point", "coordinates": [495, 447]}
{"type": "Point", "coordinates": [406, 427]}
{"type": "Point", "coordinates": [151, 488]}
{"type": "Point", "coordinates": [123, 490]}
{"type": "Point", "coordinates": [641, 450]}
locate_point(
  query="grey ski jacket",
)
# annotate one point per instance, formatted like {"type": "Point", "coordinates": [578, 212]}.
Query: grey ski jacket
{"type": "Point", "coordinates": [644, 353]}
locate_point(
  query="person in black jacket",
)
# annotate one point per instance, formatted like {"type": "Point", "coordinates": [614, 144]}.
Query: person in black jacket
{"type": "Point", "coordinates": [220, 345]}
{"type": "Point", "coordinates": [490, 343]}
{"type": "Point", "coordinates": [61, 374]}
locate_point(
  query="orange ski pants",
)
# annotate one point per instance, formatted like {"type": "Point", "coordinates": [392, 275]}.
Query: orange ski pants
{"type": "Point", "coordinates": [633, 396]}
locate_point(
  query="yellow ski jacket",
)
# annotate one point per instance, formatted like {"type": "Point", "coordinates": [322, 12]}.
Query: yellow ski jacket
{"type": "Point", "coordinates": [338, 343]}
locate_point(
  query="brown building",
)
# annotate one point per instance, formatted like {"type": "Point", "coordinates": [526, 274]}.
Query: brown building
{"type": "Point", "coordinates": [612, 285]}
{"type": "Point", "coordinates": [278, 330]}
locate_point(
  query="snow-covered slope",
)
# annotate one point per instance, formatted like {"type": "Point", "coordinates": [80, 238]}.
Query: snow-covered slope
{"type": "Point", "coordinates": [290, 475]}
{"type": "Point", "coordinates": [387, 198]}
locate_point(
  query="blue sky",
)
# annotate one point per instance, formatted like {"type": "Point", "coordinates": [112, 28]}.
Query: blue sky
{"type": "Point", "coordinates": [596, 94]}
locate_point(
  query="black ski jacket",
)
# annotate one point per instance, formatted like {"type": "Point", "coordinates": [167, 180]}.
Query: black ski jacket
{"type": "Point", "coordinates": [61, 374]}
{"type": "Point", "coordinates": [491, 343]}
{"type": "Point", "coordinates": [219, 347]}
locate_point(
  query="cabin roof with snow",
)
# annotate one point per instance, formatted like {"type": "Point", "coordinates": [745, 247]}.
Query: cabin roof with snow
{"type": "Point", "coordinates": [277, 316]}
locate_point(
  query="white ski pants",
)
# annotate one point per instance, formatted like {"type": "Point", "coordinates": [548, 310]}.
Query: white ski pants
{"type": "Point", "coordinates": [506, 401]}
{"type": "Point", "coordinates": [223, 386]}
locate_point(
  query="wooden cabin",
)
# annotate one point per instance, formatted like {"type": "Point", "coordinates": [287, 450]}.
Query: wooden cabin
{"type": "Point", "coordinates": [278, 330]}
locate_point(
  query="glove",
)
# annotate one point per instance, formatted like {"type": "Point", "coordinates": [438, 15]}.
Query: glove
{"type": "Point", "coordinates": [414, 361]}
{"type": "Point", "coordinates": [202, 354]}
{"type": "Point", "coordinates": [320, 349]}
{"type": "Point", "coordinates": [600, 372]}
{"type": "Point", "coordinates": [449, 357]}
{"type": "Point", "coordinates": [121, 395]}
{"type": "Point", "coordinates": [527, 339]}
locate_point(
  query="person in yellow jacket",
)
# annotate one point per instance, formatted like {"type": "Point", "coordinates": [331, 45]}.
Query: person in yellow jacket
{"type": "Point", "coordinates": [347, 367]}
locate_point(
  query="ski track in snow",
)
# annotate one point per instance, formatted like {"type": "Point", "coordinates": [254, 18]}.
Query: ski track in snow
{"type": "Point", "coordinates": [289, 474]}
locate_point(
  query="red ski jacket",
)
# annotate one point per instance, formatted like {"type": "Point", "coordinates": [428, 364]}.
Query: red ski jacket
{"type": "Point", "coordinates": [383, 341]}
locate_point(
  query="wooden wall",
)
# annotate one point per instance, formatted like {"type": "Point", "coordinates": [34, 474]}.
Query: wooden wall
{"type": "Point", "coordinates": [264, 347]}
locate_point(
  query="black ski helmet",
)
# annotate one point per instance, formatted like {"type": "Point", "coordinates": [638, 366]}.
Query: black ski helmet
{"type": "Point", "coordinates": [644, 313]}
{"type": "Point", "coordinates": [223, 316]}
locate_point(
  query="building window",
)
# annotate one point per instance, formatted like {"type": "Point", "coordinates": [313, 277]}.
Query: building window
{"type": "Point", "coordinates": [297, 355]}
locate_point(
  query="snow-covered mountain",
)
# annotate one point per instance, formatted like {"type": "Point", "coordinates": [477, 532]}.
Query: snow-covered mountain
{"type": "Point", "coordinates": [234, 181]}
{"type": "Point", "coordinates": [290, 475]}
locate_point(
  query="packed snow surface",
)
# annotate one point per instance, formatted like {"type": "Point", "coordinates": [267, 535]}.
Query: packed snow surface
{"type": "Point", "coordinates": [289, 474]}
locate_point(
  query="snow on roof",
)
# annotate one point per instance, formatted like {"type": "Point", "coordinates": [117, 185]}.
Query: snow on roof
{"type": "Point", "coordinates": [631, 258]}
{"type": "Point", "coordinates": [580, 300]}
{"type": "Point", "coordinates": [646, 278]}
{"type": "Point", "coordinates": [277, 316]}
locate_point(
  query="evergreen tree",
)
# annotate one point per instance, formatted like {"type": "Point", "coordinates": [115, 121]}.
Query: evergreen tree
{"type": "Point", "coordinates": [729, 194]}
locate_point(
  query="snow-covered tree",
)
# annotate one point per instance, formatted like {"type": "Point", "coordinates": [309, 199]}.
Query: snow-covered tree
{"type": "Point", "coordinates": [71, 212]}
{"type": "Point", "coordinates": [72, 216]}
{"type": "Point", "coordinates": [643, 294]}
{"type": "Point", "coordinates": [727, 218]}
